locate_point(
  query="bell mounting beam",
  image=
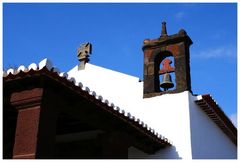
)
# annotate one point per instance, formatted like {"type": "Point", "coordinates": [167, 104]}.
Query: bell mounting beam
{"type": "Point", "coordinates": [166, 67]}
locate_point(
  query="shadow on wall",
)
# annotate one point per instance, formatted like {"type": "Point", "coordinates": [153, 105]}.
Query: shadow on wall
{"type": "Point", "coordinates": [207, 140]}
{"type": "Point", "coordinates": [166, 153]}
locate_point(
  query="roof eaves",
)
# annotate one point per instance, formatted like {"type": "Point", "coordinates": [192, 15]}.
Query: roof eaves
{"type": "Point", "coordinates": [214, 112]}
{"type": "Point", "coordinates": [46, 64]}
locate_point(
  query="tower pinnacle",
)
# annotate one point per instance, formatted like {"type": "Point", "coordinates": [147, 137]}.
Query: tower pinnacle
{"type": "Point", "coordinates": [164, 29]}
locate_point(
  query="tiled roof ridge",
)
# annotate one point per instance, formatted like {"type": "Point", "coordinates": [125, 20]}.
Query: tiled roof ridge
{"type": "Point", "coordinates": [214, 112]}
{"type": "Point", "coordinates": [47, 64]}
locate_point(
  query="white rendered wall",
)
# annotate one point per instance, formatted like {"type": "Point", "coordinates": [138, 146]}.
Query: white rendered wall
{"type": "Point", "coordinates": [208, 141]}
{"type": "Point", "coordinates": [169, 115]}
{"type": "Point", "coordinates": [117, 87]}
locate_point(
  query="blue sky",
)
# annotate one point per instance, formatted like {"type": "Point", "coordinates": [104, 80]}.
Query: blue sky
{"type": "Point", "coordinates": [32, 32]}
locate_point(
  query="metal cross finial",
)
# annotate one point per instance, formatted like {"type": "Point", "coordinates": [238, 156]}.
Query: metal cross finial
{"type": "Point", "coordinates": [83, 53]}
{"type": "Point", "coordinates": [164, 29]}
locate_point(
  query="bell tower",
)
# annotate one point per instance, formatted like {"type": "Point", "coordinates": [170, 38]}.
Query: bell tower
{"type": "Point", "coordinates": [166, 63]}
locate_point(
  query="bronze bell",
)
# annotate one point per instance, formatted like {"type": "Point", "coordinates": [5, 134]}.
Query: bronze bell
{"type": "Point", "coordinates": [167, 82]}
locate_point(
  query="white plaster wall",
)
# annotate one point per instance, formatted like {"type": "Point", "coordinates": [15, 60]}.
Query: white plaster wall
{"type": "Point", "coordinates": [117, 87]}
{"type": "Point", "coordinates": [166, 153]}
{"type": "Point", "coordinates": [169, 115]}
{"type": "Point", "coordinates": [208, 141]}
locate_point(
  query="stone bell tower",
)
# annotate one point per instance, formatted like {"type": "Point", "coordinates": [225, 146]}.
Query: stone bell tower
{"type": "Point", "coordinates": [166, 63]}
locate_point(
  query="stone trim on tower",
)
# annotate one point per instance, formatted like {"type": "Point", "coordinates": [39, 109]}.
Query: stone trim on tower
{"type": "Point", "coordinates": [158, 52]}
